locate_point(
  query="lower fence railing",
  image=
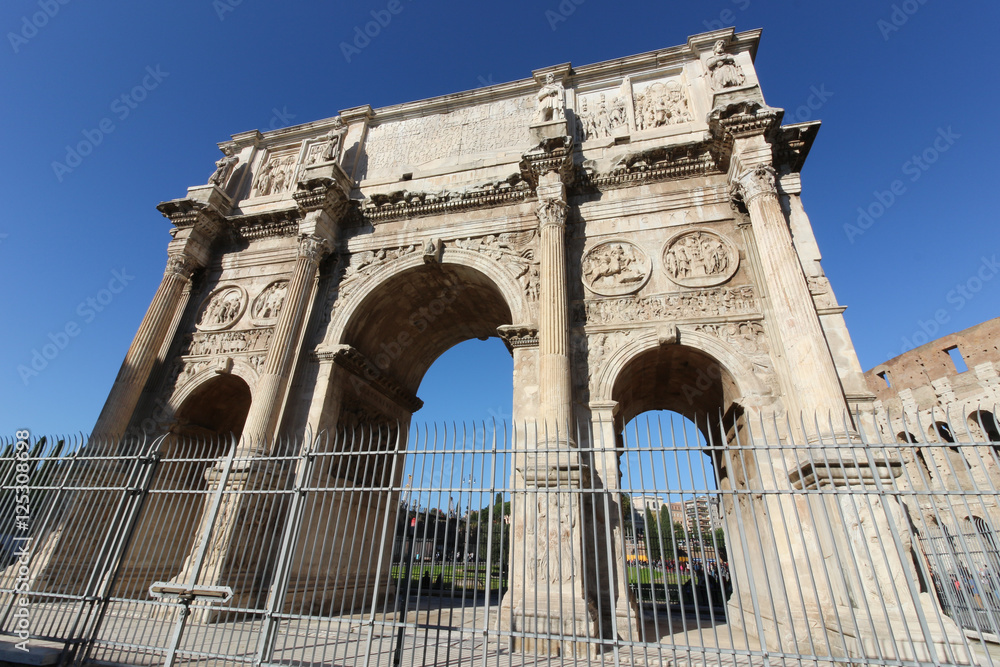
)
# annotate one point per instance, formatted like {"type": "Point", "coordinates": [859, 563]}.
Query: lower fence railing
{"type": "Point", "coordinates": [753, 542]}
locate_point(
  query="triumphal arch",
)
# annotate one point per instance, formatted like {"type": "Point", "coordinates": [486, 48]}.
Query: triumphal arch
{"type": "Point", "coordinates": [633, 230]}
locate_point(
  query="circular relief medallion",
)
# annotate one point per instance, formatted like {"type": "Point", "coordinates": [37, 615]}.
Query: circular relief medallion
{"type": "Point", "coordinates": [700, 259]}
{"type": "Point", "coordinates": [614, 268]}
{"type": "Point", "coordinates": [222, 308]}
{"type": "Point", "coordinates": [268, 304]}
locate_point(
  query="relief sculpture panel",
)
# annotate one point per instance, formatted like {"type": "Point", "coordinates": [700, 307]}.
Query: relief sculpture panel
{"type": "Point", "coordinates": [699, 259]}
{"type": "Point", "coordinates": [661, 104]}
{"type": "Point", "coordinates": [615, 268]}
{"type": "Point", "coordinates": [267, 306]}
{"type": "Point", "coordinates": [222, 308]}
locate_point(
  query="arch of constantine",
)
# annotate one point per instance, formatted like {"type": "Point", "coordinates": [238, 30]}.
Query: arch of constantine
{"type": "Point", "coordinates": [634, 232]}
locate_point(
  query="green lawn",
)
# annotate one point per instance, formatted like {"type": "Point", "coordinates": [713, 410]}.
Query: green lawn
{"type": "Point", "coordinates": [639, 574]}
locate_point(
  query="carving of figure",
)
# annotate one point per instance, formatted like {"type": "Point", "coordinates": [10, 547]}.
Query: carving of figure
{"type": "Point", "coordinates": [334, 141]}
{"type": "Point", "coordinates": [723, 69]}
{"type": "Point", "coordinates": [551, 101]}
{"type": "Point", "coordinates": [683, 261]}
{"type": "Point", "coordinates": [584, 122]}
{"type": "Point", "coordinates": [264, 179]}
{"type": "Point", "coordinates": [224, 167]}
{"type": "Point", "coordinates": [676, 104]}
{"type": "Point", "coordinates": [618, 118]}
{"type": "Point", "coordinates": [280, 177]}
{"type": "Point", "coordinates": [602, 119]}
{"type": "Point", "coordinates": [273, 300]}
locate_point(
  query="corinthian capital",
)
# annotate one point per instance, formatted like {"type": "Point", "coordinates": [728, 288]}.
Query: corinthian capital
{"type": "Point", "coordinates": [756, 182]}
{"type": "Point", "coordinates": [181, 265]}
{"type": "Point", "coordinates": [551, 212]}
{"type": "Point", "coordinates": [313, 248]}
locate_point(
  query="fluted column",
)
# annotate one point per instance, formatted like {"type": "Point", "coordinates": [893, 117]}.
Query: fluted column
{"type": "Point", "coordinates": [553, 305]}
{"type": "Point", "coordinates": [145, 347]}
{"type": "Point", "coordinates": [813, 377]}
{"type": "Point", "coordinates": [198, 220]}
{"type": "Point", "coordinates": [270, 389]}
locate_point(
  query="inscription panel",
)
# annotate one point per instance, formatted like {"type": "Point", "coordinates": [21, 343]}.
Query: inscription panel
{"type": "Point", "coordinates": [487, 128]}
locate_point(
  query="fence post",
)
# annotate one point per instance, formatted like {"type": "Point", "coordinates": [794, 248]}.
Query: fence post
{"type": "Point", "coordinates": [279, 586]}
{"type": "Point", "coordinates": [135, 496]}
{"type": "Point", "coordinates": [211, 515]}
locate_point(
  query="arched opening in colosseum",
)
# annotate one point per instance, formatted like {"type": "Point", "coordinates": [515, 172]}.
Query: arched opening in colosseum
{"type": "Point", "coordinates": [983, 425]}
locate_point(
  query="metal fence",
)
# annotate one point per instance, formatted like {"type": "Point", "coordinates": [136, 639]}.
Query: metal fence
{"type": "Point", "coordinates": [723, 543]}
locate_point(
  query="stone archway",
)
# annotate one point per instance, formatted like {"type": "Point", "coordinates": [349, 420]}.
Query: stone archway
{"type": "Point", "coordinates": [391, 325]}
{"type": "Point", "coordinates": [216, 407]}
{"type": "Point", "coordinates": [381, 341]}
{"type": "Point", "coordinates": [701, 380]}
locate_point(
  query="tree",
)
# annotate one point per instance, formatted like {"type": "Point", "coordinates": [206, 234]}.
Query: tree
{"type": "Point", "coordinates": [661, 534]}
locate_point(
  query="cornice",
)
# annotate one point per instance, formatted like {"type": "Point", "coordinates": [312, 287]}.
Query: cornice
{"type": "Point", "coordinates": [653, 165]}
{"type": "Point", "coordinates": [671, 57]}
{"type": "Point", "coordinates": [356, 363]}
{"type": "Point", "coordinates": [792, 145]}
{"type": "Point", "coordinates": [381, 208]}
{"type": "Point", "coordinates": [284, 222]}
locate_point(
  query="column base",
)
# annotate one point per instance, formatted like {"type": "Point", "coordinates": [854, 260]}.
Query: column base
{"type": "Point", "coordinates": [556, 630]}
{"type": "Point", "coordinates": [893, 636]}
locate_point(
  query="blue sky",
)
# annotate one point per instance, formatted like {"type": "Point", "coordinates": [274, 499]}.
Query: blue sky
{"type": "Point", "coordinates": [891, 80]}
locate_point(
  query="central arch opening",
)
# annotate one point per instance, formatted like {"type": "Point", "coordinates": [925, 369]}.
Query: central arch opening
{"type": "Point", "coordinates": [444, 498]}
{"type": "Point", "coordinates": [678, 409]}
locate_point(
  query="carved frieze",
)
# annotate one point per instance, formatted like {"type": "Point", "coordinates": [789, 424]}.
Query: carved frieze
{"type": "Point", "coordinates": [819, 288]}
{"type": "Point", "coordinates": [747, 337]}
{"type": "Point", "coordinates": [515, 251]}
{"type": "Point", "coordinates": [661, 104]}
{"type": "Point", "coordinates": [591, 352]}
{"type": "Point", "coordinates": [699, 259]}
{"type": "Point", "coordinates": [381, 207]}
{"type": "Point", "coordinates": [222, 308]}
{"type": "Point", "coordinates": [267, 306]}
{"type": "Point", "coordinates": [600, 115]}
{"type": "Point", "coordinates": [676, 306]}
{"type": "Point", "coordinates": [614, 268]}
{"type": "Point", "coordinates": [276, 175]}
{"type": "Point", "coordinates": [228, 342]}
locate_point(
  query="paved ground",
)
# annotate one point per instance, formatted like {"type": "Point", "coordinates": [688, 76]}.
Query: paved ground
{"type": "Point", "coordinates": [441, 632]}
